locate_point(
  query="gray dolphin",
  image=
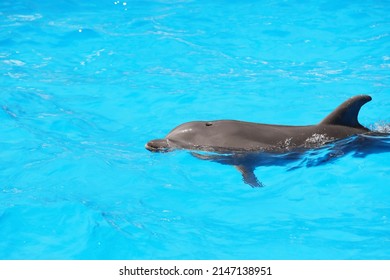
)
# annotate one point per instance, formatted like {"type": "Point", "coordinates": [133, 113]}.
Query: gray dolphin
{"type": "Point", "coordinates": [243, 139]}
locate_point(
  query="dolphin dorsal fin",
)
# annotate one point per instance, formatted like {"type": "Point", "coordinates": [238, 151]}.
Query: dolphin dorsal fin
{"type": "Point", "coordinates": [347, 113]}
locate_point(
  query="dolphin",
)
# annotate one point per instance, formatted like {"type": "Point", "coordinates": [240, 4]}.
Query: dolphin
{"type": "Point", "coordinates": [246, 143]}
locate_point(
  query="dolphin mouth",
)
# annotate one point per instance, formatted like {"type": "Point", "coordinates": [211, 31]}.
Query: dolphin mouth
{"type": "Point", "coordinates": [158, 146]}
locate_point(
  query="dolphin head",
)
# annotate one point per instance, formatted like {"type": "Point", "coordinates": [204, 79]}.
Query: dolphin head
{"type": "Point", "coordinates": [188, 135]}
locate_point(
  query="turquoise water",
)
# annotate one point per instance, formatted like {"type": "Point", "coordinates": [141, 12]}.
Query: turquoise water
{"type": "Point", "coordinates": [85, 84]}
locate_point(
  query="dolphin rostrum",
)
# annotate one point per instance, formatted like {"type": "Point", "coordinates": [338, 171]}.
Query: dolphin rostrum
{"type": "Point", "coordinates": [242, 140]}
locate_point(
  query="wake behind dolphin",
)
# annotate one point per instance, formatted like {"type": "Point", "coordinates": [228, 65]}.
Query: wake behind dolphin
{"type": "Point", "coordinates": [245, 144]}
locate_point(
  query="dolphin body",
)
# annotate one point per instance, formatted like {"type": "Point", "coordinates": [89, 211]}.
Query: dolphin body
{"type": "Point", "coordinates": [245, 144]}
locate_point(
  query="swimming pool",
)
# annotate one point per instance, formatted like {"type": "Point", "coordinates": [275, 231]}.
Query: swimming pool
{"type": "Point", "coordinates": [86, 84]}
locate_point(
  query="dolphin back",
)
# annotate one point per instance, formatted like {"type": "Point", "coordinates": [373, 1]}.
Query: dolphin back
{"type": "Point", "coordinates": [347, 113]}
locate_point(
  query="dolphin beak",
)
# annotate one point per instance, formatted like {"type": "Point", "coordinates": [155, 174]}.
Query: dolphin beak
{"type": "Point", "coordinates": [158, 146]}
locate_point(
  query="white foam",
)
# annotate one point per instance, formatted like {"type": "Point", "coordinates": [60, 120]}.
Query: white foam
{"type": "Point", "coordinates": [382, 127]}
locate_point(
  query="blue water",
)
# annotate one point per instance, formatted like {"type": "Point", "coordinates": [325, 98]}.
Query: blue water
{"type": "Point", "coordinates": [85, 84]}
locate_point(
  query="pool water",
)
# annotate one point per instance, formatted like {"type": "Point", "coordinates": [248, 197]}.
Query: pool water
{"type": "Point", "coordinates": [85, 84]}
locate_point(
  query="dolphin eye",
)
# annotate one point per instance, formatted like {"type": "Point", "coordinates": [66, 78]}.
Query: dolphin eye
{"type": "Point", "coordinates": [209, 124]}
